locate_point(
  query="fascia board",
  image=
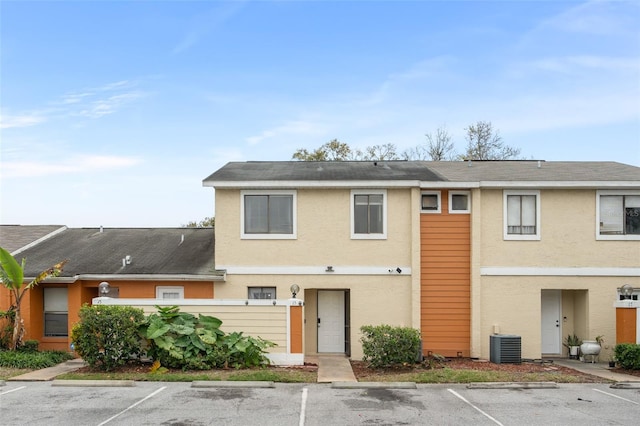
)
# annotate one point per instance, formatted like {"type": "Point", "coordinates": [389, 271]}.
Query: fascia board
{"type": "Point", "coordinates": [133, 277]}
{"type": "Point", "coordinates": [559, 184]}
{"type": "Point", "coordinates": [314, 184]}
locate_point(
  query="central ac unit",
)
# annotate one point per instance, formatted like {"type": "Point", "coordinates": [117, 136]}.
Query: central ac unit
{"type": "Point", "coordinates": [505, 349]}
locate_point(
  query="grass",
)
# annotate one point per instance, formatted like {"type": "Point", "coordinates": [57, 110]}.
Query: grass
{"type": "Point", "coordinates": [14, 363]}
{"type": "Point", "coordinates": [449, 375]}
{"type": "Point", "coordinates": [8, 372]}
{"type": "Point", "coordinates": [280, 375]}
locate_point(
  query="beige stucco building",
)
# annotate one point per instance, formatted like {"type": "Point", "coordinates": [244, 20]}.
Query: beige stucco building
{"type": "Point", "coordinates": [460, 250]}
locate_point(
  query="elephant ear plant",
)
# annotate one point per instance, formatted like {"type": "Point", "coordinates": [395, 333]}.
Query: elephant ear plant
{"type": "Point", "coordinates": [182, 340]}
{"type": "Point", "coordinates": [12, 274]}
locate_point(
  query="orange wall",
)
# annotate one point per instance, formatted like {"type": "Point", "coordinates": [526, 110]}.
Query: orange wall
{"type": "Point", "coordinates": [445, 282]}
{"type": "Point", "coordinates": [82, 292]}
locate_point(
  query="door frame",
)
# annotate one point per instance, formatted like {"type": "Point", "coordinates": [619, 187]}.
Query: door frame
{"type": "Point", "coordinates": [558, 300]}
{"type": "Point", "coordinates": [347, 318]}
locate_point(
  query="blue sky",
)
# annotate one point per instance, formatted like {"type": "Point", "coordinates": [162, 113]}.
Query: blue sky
{"type": "Point", "coordinates": [113, 112]}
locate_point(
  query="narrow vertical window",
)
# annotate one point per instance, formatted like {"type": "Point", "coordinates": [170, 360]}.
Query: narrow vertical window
{"type": "Point", "coordinates": [56, 313]}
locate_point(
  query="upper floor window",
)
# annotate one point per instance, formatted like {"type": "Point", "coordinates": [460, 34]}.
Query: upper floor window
{"type": "Point", "coordinates": [618, 215]}
{"type": "Point", "coordinates": [521, 215]}
{"type": "Point", "coordinates": [430, 202]}
{"type": "Point", "coordinates": [459, 202]}
{"type": "Point", "coordinates": [369, 214]}
{"type": "Point", "coordinates": [268, 214]}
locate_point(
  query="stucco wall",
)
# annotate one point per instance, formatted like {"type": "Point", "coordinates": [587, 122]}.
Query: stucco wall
{"type": "Point", "coordinates": [323, 233]}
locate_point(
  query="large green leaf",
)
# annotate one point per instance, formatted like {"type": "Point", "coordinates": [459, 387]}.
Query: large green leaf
{"type": "Point", "coordinates": [182, 329]}
{"type": "Point", "coordinates": [157, 328]}
{"type": "Point", "coordinates": [12, 269]}
{"type": "Point", "coordinates": [209, 322]}
{"type": "Point", "coordinates": [196, 342]}
{"type": "Point", "coordinates": [207, 336]}
{"type": "Point", "coordinates": [165, 342]}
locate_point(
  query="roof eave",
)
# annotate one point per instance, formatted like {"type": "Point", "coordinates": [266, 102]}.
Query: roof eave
{"type": "Point", "coordinates": [136, 277]}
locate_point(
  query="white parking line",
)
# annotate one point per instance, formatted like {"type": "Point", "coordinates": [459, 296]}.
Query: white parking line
{"type": "Point", "coordinates": [616, 396]}
{"type": "Point", "coordinates": [131, 406]}
{"type": "Point", "coordinates": [12, 390]}
{"type": "Point", "coordinates": [474, 407]}
{"type": "Point", "coordinates": [303, 406]}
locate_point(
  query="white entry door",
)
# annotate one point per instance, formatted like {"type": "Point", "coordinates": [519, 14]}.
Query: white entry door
{"type": "Point", "coordinates": [331, 324]}
{"type": "Point", "coordinates": [551, 322]}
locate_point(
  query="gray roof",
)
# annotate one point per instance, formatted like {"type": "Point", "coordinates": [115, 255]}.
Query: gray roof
{"type": "Point", "coordinates": [322, 171]}
{"type": "Point", "coordinates": [431, 172]}
{"type": "Point", "coordinates": [14, 237]}
{"type": "Point", "coordinates": [153, 251]}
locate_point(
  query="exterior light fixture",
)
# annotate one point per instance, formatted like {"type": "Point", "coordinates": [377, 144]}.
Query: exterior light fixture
{"type": "Point", "coordinates": [626, 291]}
{"type": "Point", "coordinates": [329, 269]}
{"type": "Point", "coordinates": [103, 288]}
{"type": "Point", "coordinates": [295, 288]}
{"type": "Point", "coordinates": [398, 270]}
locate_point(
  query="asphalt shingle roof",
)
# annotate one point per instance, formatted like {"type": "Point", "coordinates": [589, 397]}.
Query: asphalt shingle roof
{"type": "Point", "coordinates": [424, 171]}
{"type": "Point", "coordinates": [14, 237]}
{"type": "Point", "coordinates": [157, 251]}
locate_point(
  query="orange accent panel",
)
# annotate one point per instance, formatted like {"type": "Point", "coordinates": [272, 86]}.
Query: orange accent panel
{"type": "Point", "coordinates": [295, 316]}
{"type": "Point", "coordinates": [626, 323]}
{"type": "Point", "coordinates": [445, 304]}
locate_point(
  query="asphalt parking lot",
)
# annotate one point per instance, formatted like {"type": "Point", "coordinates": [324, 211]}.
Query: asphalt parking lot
{"type": "Point", "coordinates": [153, 403]}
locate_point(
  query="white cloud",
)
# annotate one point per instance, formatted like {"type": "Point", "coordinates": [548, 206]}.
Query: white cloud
{"type": "Point", "coordinates": [77, 164]}
{"type": "Point", "coordinates": [296, 127]}
{"type": "Point", "coordinates": [26, 120]}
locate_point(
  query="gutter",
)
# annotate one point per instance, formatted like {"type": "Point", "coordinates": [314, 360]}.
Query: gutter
{"type": "Point", "coordinates": [134, 277]}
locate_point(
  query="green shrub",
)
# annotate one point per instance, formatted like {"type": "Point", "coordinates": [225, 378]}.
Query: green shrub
{"type": "Point", "coordinates": [182, 340]}
{"type": "Point", "coordinates": [6, 328]}
{"type": "Point", "coordinates": [386, 346]}
{"type": "Point", "coordinates": [107, 336]}
{"type": "Point", "coordinates": [32, 360]}
{"type": "Point", "coordinates": [627, 356]}
{"type": "Point", "coordinates": [29, 346]}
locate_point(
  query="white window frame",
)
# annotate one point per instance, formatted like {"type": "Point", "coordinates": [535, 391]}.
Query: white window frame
{"type": "Point", "coordinates": [56, 307]}
{"type": "Point", "coordinates": [505, 215]}
{"type": "Point", "coordinates": [618, 237]}
{"type": "Point", "coordinates": [438, 195]}
{"type": "Point", "coordinates": [160, 290]}
{"type": "Point", "coordinates": [262, 288]}
{"type": "Point", "coordinates": [465, 211]}
{"type": "Point", "coordinates": [378, 236]}
{"type": "Point", "coordinates": [294, 217]}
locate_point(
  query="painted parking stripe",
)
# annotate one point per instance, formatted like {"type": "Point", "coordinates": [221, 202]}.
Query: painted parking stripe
{"type": "Point", "coordinates": [616, 396]}
{"type": "Point", "coordinates": [12, 390]}
{"type": "Point", "coordinates": [303, 406]}
{"type": "Point", "coordinates": [133, 405]}
{"type": "Point", "coordinates": [474, 407]}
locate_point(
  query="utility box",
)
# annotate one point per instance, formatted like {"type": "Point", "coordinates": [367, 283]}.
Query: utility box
{"type": "Point", "coordinates": [505, 349]}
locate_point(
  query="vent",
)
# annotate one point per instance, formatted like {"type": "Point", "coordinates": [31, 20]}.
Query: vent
{"type": "Point", "coordinates": [505, 349]}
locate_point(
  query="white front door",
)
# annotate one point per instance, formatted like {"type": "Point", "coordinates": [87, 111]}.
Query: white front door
{"type": "Point", "coordinates": [330, 321]}
{"type": "Point", "coordinates": [551, 325]}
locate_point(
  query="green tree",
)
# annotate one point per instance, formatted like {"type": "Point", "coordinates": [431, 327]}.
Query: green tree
{"type": "Point", "coordinates": [485, 143]}
{"type": "Point", "coordinates": [12, 274]}
{"type": "Point", "coordinates": [333, 150]}
{"type": "Point", "coordinates": [204, 223]}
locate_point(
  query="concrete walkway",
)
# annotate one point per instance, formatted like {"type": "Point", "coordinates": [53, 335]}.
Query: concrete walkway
{"type": "Point", "coordinates": [333, 368]}
{"type": "Point", "coordinates": [49, 373]}
{"type": "Point", "coordinates": [600, 369]}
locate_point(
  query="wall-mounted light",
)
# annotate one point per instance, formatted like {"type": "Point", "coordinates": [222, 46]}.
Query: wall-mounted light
{"type": "Point", "coordinates": [329, 269]}
{"type": "Point", "coordinates": [103, 288]}
{"type": "Point", "coordinates": [295, 288]}
{"type": "Point", "coordinates": [398, 270]}
{"type": "Point", "coordinates": [626, 291]}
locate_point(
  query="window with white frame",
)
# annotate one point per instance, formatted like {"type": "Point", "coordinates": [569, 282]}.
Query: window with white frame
{"type": "Point", "coordinates": [521, 215]}
{"type": "Point", "coordinates": [369, 214]}
{"type": "Point", "coordinates": [268, 214]}
{"type": "Point", "coordinates": [618, 215]}
{"type": "Point", "coordinates": [430, 202]}
{"type": "Point", "coordinates": [459, 202]}
{"type": "Point", "coordinates": [262, 293]}
{"type": "Point", "coordinates": [56, 312]}
{"type": "Point", "coordinates": [165, 292]}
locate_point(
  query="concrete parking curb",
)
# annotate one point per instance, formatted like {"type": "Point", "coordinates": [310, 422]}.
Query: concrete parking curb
{"type": "Point", "coordinates": [94, 383]}
{"type": "Point", "coordinates": [229, 384]}
{"type": "Point", "coordinates": [625, 385]}
{"type": "Point", "coordinates": [373, 385]}
{"type": "Point", "coordinates": [513, 385]}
